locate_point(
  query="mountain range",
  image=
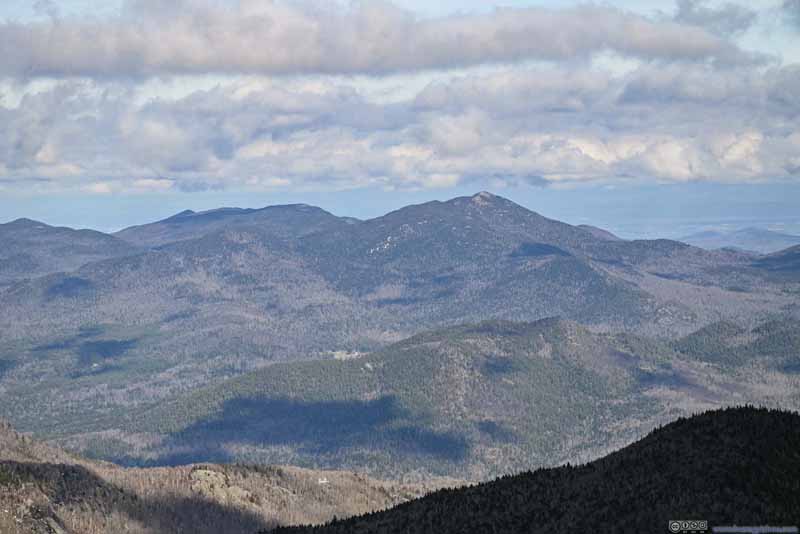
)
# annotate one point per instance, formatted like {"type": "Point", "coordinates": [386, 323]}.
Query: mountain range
{"type": "Point", "coordinates": [108, 327]}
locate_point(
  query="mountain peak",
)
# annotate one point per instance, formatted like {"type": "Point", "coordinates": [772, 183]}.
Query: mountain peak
{"type": "Point", "coordinates": [27, 223]}
{"type": "Point", "coordinates": [483, 198]}
{"type": "Point", "coordinates": [181, 215]}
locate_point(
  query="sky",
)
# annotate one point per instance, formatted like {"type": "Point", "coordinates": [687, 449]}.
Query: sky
{"type": "Point", "coordinates": [649, 118]}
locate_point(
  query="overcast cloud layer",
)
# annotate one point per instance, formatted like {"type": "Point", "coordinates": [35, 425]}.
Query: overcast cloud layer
{"type": "Point", "coordinates": [158, 37]}
{"type": "Point", "coordinates": [688, 105]}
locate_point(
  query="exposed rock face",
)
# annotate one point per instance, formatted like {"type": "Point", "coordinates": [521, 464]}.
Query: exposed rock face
{"type": "Point", "coordinates": [46, 491]}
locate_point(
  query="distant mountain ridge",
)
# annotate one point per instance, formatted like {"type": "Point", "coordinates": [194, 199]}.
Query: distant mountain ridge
{"type": "Point", "coordinates": [290, 220]}
{"type": "Point", "coordinates": [31, 248]}
{"type": "Point", "coordinates": [730, 467]}
{"type": "Point", "coordinates": [754, 239]}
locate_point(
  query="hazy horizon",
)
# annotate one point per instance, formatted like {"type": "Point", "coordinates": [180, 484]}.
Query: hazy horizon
{"type": "Point", "coordinates": [672, 211]}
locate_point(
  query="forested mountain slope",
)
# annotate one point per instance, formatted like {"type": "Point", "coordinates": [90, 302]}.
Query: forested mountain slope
{"type": "Point", "coordinates": [599, 233]}
{"type": "Point", "coordinates": [730, 467]}
{"type": "Point", "coordinates": [471, 401]}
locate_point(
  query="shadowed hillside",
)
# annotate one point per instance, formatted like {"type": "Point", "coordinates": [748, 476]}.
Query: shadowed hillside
{"type": "Point", "coordinates": [44, 490]}
{"type": "Point", "coordinates": [784, 263]}
{"type": "Point", "coordinates": [734, 466]}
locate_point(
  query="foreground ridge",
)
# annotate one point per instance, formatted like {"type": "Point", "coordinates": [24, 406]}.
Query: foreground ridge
{"type": "Point", "coordinates": [731, 466]}
{"type": "Point", "coordinates": [46, 490]}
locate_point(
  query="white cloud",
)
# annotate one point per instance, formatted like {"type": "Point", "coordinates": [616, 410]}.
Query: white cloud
{"type": "Point", "coordinates": [99, 188]}
{"type": "Point", "coordinates": [458, 134]}
{"type": "Point", "coordinates": [174, 37]}
{"type": "Point", "coordinates": [511, 126]}
{"type": "Point", "coordinates": [567, 122]}
{"type": "Point", "coordinates": [152, 184]}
